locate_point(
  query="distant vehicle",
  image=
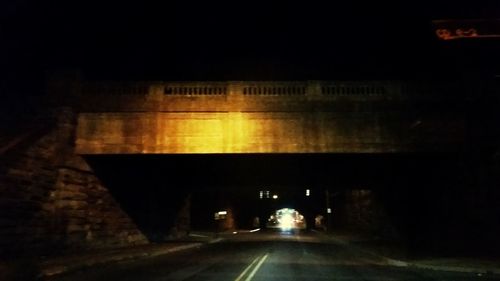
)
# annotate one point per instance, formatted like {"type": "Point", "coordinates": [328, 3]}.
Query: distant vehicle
{"type": "Point", "coordinates": [286, 219]}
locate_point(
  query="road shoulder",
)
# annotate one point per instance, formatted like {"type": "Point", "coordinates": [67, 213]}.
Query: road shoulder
{"type": "Point", "coordinates": [480, 266]}
{"type": "Point", "coordinates": [68, 263]}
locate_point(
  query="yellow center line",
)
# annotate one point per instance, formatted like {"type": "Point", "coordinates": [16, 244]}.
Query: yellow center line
{"type": "Point", "coordinates": [256, 268]}
{"type": "Point", "coordinates": [246, 269]}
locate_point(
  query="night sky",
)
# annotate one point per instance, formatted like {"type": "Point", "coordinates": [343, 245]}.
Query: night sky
{"type": "Point", "coordinates": [234, 40]}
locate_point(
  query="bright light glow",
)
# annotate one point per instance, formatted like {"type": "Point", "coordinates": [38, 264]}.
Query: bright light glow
{"type": "Point", "coordinates": [222, 212]}
{"type": "Point", "coordinates": [329, 210]}
{"type": "Point", "coordinates": [204, 132]}
{"type": "Point", "coordinates": [286, 221]}
{"type": "Point", "coordinates": [261, 194]}
{"type": "Point", "coordinates": [275, 196]}
{"type": "Point", "coordinates": [255, 230]}
{"type": "Point", "coordinates": [308, 192]}
{"type": "Point", "coordinates": [235, 232]}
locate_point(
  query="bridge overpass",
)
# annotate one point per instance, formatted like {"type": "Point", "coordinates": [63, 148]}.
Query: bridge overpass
{"type": "Point", "coordinates": [268, 117]}
{"type": "Point", "coordinates": [55, 193]}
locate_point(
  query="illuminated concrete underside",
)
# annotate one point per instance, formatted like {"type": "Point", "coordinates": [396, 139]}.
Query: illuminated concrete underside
{"type": "Point", "coordinates": [262, 132]}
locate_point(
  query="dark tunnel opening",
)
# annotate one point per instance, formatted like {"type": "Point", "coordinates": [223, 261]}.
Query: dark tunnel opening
{"type": "Point", "coordinates": [422, 199]}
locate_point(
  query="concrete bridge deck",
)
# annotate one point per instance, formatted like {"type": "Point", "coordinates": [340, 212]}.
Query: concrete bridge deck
{"type": "Point", "coordinates": [268, 117]}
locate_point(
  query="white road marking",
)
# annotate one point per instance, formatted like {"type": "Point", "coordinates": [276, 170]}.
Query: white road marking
{"type": "Point", "coordinates": [197, 235]}
{"type": "Point", "coordinates": [246, 269]}
{"type": "Point", "coordinates": [256, 268]}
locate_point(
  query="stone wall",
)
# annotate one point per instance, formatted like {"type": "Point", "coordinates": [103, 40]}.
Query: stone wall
{"type": "Point", "coordinates": [51, 201]}
{"type": "Point", "coordinates": [182, 225]}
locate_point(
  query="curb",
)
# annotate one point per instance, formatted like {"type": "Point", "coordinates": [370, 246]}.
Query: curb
{"type": "Point", "coordinates": [476, 270]}
{"type": "Point", "coordinates": [52, 271]}
{"type": "Point", "coordinates": [216, 240]}
{"type": "Point", "coordinates": [401, 263]}
{"type": "Point", "coordinates": [459, 269]}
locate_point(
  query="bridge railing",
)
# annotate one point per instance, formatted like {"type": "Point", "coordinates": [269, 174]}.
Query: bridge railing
{"type": "Point", "coordinates": [274, 89]}
{"type": "Point", "coordinates": [195, 88]}
{"type": "Point", "coordinates": [247, 88]}
{"type": "Point", "coordinates": [327, 90]}
{"type": "Point", "coordinates": [115, 88]}
{"type": "Point", "coordinates": [280, 88]}
{"type": "Point", "coordinates": [370, 88]}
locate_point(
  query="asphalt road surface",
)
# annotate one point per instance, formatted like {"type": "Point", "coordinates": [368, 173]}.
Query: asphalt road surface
{"type": "Point", "coordinates": [265, 256]}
